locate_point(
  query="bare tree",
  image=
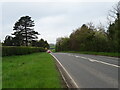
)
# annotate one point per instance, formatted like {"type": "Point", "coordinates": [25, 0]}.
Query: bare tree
{"type": "Point", "coordinates": [114, 13]}
{"type": "Point", "coordinates": [101, 27]}
{"type": "Point", "coordinates": [91, 25]}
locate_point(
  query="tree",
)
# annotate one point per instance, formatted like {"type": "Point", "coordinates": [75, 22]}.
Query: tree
{"type": "Point", "coordinates": [114, 28]}
{"type": "Point", "coordinates": [91, 26]}
{"type": "Point", "coordinates": [8, 41]}
{"type": "Point", "coordinates": [24, 32]}
{"type": "Point", "coordinates": [46, 45]}
{"type": "Point", "coordinates": [40, 43]}
{"type": "Point", "coordinates": [58, 46]}
{"type": "Point", "coordinates": [80, 39]}
{"type": "Point", "coordinates": [63, 44]}
{"type": "Point", "coordinates": [85, 38]}
{"type": "Point", "coordinates": [0, 43]}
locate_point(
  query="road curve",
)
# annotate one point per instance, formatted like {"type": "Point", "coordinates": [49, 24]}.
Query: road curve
{"type": "Point", "coordinates": [90, 71]}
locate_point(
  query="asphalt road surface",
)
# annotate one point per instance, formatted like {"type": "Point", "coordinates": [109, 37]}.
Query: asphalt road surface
{"type": "Point", "coordinates": [91, 71]}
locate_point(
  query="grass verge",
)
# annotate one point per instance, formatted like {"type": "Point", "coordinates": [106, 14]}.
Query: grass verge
{"type": "Point", "coordinates": [96, 53]}
{"type": "Point", "coordinates": [36, 70]}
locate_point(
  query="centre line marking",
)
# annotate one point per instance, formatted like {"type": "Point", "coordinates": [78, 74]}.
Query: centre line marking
{"type": "Point", "coordinates": [93, 60]}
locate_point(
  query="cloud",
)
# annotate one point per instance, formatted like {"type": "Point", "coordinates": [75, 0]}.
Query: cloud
{"type": "Point", "coordinates": [52, 19]}
{"type": "Point", "coordinates": [52, 27]}
{"type": "Point", "coordinates": [58, 0]}
{"type": "Point", "coordinates": [7, 29]}
{"type": "Point", "coordinates": [0, 21]}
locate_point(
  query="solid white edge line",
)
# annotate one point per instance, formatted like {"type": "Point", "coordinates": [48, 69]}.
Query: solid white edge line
{"type": "Point", "coordinates": [61, 73]}
{"type": "Point", "coordinates": [65, 71]}
{"type": "Point", "coordinates": [64, 78]}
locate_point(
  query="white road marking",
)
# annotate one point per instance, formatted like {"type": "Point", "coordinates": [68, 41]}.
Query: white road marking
{"type": "Point", "coordinates": [63, 78]}
{"type": "Point", "coordinates": [65, 71]}
{"type": "Point", "coordinates": [77, 56]}
{"type": "Point", "coordinates": [93, 60]}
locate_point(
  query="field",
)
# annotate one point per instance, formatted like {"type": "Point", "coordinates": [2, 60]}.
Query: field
{"type": "Point", "coordinates": [36, 70]}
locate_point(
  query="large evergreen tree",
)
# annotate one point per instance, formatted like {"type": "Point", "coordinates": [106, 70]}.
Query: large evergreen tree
{"type": "Point", "coordinates": [24, 33]}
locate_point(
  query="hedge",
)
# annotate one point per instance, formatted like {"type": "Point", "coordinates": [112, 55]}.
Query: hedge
{"type": "Point", "coordinates": [15, 50]}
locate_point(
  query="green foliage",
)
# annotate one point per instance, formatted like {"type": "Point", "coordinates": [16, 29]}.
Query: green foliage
{"type": "Point", "coordinates": [11, 50]}
{"type": "Point", "coordinates": [40, 43]}
{"type": "Point", "coordinates": [87, 39]}
{"type": "Point", "coordinates": [83, 39]}
{"type": "Point", "coordinates": [8, 41]}
{"type": "Point", "coordinates": [100, 42]}
{"type": "Point", "coordinates": [80, 39]}
{"type": "Point", "coordinates": [62, 44]}
{"type": "Point", "coordinates": [114, 35]}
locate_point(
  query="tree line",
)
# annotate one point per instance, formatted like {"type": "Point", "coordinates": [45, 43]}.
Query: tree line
{"type": "Point", "coordinates": [24, 34]}
{"type": "Point", "coordinates": [90, 38]}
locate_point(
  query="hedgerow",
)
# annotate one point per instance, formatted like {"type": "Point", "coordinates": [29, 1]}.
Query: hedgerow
{"type": "Point", "coordinates": [15, 50]}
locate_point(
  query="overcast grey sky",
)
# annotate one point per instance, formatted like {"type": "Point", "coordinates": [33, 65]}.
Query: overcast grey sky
{"type": "Point", "coordinates": [54, 19]}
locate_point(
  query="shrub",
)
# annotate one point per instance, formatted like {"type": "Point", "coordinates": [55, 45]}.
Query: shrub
{"type": "Point", "coordinates": [14, 50]}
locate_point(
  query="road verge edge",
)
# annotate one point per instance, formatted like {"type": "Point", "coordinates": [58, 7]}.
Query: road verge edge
{"type": "Point", "coordinates": [69, 81]}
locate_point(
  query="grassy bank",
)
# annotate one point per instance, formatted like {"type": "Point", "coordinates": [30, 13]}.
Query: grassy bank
{"type": "Point", "coordinates": [96, 53]}
{"type": "Point", "coordinates": [30, 71]}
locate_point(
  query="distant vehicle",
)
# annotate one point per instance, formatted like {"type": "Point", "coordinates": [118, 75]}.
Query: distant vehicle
{"type": "Point", "coordinates": [48, 51]}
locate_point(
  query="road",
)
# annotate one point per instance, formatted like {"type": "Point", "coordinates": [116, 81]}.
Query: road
{"type": "Point", "coordinates": [90, 71]}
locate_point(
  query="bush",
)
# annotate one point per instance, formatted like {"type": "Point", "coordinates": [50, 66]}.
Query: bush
{"type": "Point", "coordinates": [14, 50]}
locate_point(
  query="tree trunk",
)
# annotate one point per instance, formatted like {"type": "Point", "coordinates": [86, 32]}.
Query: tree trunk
{"type": "Point", "coordinates": [26, 41]}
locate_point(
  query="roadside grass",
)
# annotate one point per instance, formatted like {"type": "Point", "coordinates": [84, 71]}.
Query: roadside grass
{"type": "Point", "coordinates": [112, 54]}
{"type": "Point", "coordinates": [36, 70]}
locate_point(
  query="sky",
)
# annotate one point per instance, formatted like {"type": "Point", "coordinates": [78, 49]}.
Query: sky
{"type": "Point", "coordinates": [53, 19]}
